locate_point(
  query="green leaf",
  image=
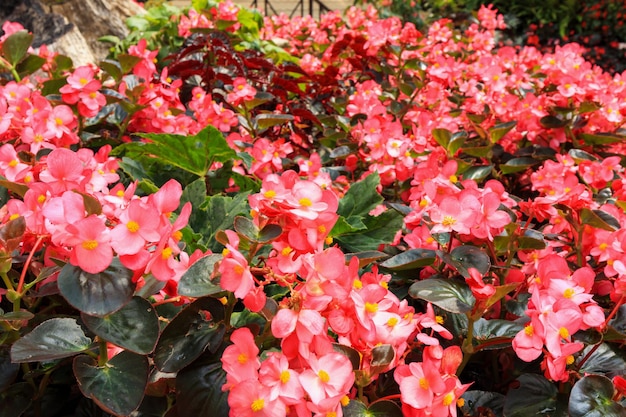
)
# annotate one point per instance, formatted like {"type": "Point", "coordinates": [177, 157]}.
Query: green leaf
{"type": "Point", "coordinates": [601, 138]}
{"type": "Point", "coordinates": [599, 219]}
{"type": "Point", "coordinates": [479, 151]}
{"type": "Point", "coordinates": [462, 258]}
{"type": "Point", "coordinates": [53, 339]}
{"type": "Point", "coordinates": [378, 230]}
{"type": "Point", "coordinates": [498, 131]}
{"type": "Point", "coordinates": [215, 214]}
{"type": "Point", "coordinates": [592, 396]}
{"type": "Point", "coordinates": [449, 295]}
{"type": "Point", "coordinates": [128, 62]}
{"type": "Point", "coordinates": [605, 360]}
{"type": "Point", "coordinates": [14, 187]}
{"type": "Point", "coordinates": [97, 294]}
{"type": "Point", "coordinates": [579, 155]}
{"type": "Point", "coordinates": [266, 120]}
{"type": "Point", "coordinates": [350, 353]}
{"type": "Point", "coordinates": [134, 327]}
{"type": "Point", "coordinates": [442, 137]}
{"type": "Point", "coordinates": [484, 400]}
{"type": "Point", "coordinates": [381, 408]}
{"type": "Point", "coordinates": [410, 259]}
{"type": "Point", "coordinates": [199, 390]}
{"type": "Point", "coordinates": [361, 198]}
{"type": "Point", "coordinates": [365, 258]}
{"type": "Point", "coordinates": [16, 399]}
{"type": "Point", "coordinates": [535, 396]}
{"type": "Point", "coordinates": [15, 47]}
{"type": "Point", "coordinates": [477, 172]}
{"type": "Point", "coordinates": [194, 154]}
{"type": "Point", "coordinates": [196, 328]}
{"type": "Point", "coordinates": [197, 281]}
{"type": "Point", "coordinates": [495, 330]}
{"type": "Point", "coordinates": [517, 165]}
{"type": "Point", "coordinates": [382, 356]}
{"type": "Point", "coordinates": [246, 227]}
{"type": "Point", "coordinates": [118, 386]}
{"type": "Point", "coordinates": [552, 122]}
{"type": "Point", "coordinates": [30, 64]}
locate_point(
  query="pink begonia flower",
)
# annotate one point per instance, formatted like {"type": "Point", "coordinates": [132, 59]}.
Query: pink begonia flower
{"type": "Point", "coordinates": [90, 241]}
{"type": "Point", "coordinates": [139, 224]}
{"type": "Point", "coordinates": [455, 213]}
{"type": "Point", "coordinates": [10, 165]}
{"type": "Point", "coordinates": [282, 380]}
{"type": "Point", "coordinates": [250, 399]}
{"type": "Point", "coordinates": [240, 360]}
{"type": "Point", "coordinates": [329, 376]}
{"type": "Point", "coordinates": [235, 273]}
{"type": "Point", "coordinates": [65, 170]}
{"type": "Point", "coordinates": [528, 343]}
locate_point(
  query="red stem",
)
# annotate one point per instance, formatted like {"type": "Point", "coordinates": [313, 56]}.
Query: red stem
{"type": "Point", "coordinates": [20, 285]}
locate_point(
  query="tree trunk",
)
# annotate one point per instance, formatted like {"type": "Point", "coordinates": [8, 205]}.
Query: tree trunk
{"type": "Point", "coordinates": [72, 27]}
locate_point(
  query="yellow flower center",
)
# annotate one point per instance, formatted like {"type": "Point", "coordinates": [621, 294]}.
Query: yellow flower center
{"type": "Point", "coordinates": [132, 226]}
{"type": "Point", "coordinates": [242, 358]}
{"type": "Point", "coordinates": [13, 163]}
{"type": "Point", "coordinates": [167, 252]}
{"type": "Point", "coordinates": [286, 251]}
{"type": "Point", "coordinates": [305, 202]}
{"type": "Point", "coordinates": [563, 332]}
{"type": "Point", "coordinates": [569, 359]}
{"type": "Point", "coordinates": [439, 319]}
{"type": "Point", "coordinates": [323, 375]}
{"type": "Point", "coordinates": [371, 307]}
{"type": "Point", "coordinates": [424, 383]}
{"type": "Point", "coordinates": [269, 194]}
{"type": "Point", "coordinates": [285, 376]}
{"type": "Point", "coordinates": [257, 405]}
{"type": "Point", "coordinates": [90, 244]}
{"type": "Point", "coordinates": [448, 221]}
{"type": "Point", "coordinates": [357, 284]}
{"type": "Point", "coordinates": [447, 399]}
{"type": "Point", "coordinates": [392, 321]}
{"type": "Point", "coordinates": [568, 293]}
{"type": "Point", "coordinates": [529, 330]}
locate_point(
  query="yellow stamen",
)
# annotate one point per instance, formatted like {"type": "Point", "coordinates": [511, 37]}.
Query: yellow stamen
{"type": "Point", "coordinates": [323, 375]}
{"type": "Point", "coordinates": [529, 330]}
{"type": "Point", "coordinates": [132, 226]}
{"type": "Point", "coordinates": [305, 202]}
{"type": "Point", "coordinates": [371, 307]}
{"type": "Point", "coordinates": [242, 358]}
{"type": "Point", "coordinates": [563, 332]}
{"type": "Point", "coordinates": [89, 244]}
{"type": "Point", "coordinates": [269, 194]}
{"type": "Point", "coordinates": [424, 383]}
{"type": "Point", "coordinates": [448, 221]}
{"type": "Point", "coordinates": [568, 293]}
{"type": "Point", "coordinates": [285, 376]}
{"type": "Point", "coordinates": [447, 399]}
{"type": "Point", "coordinates": [257, 405]}
{"type": "Point", "coordinates": [392, 321]}
{"type": "Point", "coordinates": [167, 252]}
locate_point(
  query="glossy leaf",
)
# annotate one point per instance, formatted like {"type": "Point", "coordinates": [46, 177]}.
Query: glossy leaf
{"type": "Point", "coordinates": [134, 327]}
{"type": "Point", "coordinates": [592, 396]}
{"type": "Point", "coordinates": [485, 400]}
{"type": "Point", "coordinates": [365, 258]}
{"type": "Point", "coordinates": [517, 165]}
{"type": "Point", "coordinates": [196, 328]}
{"type": "Point", "coordinates": [15, 47]}
{"type": "Point", "coordinates": [552, 122]}
{"type": "Point", "coordinates": [16, 399]}
{"type": "Point", "coordinates": [495, 334]}
{"type": "Point", "coordinates": [599, 219]}
{"type": "Point", "coordinates": [97, 294]}
{"type": "Point", "coordinates": [477, 172]}
{"type": "Point", "coordinates": [449, 295]}
{"type": "Point", "coordinates": [382, 356]}
{"type": "Point", "coordinates": [410, 259]}
{"type": "Point", "coordinates": [361, 198]}
{"type": "Point", "coordinates": [266, 120]}
{"type": "Point", "coordinates": [535, 396]}
{"type": "Point", "coordinates": [442, 137]}
{"type": "Point", "coordinates": [246, 227]}
{"type": "Point", "coordinates": [30, 64]}
{"type": "Point", "coordinates": [498, 131]}
{"type": "Point", "coordinates": [117, 387]}
{"type": "Point", "coordinates": [383, 408]}
{"type": "Point", "coordinates": [198, 281]}
{"type": "Point", "coordinates": [53, 339]}
{"type": "Point", "coordinates": [462, 258]}
{"type": "Point", "coordinates": [601, 138]}
{"type": "Point", "coordinates": [606, 360]}
{"type": "Point", "coordinates": [351, 353]}
{"type": "Point", "coordinates": [199, 390]}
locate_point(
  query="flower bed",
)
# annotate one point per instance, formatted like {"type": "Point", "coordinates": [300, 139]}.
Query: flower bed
{"type": "Point", "coordinates": [288, 217]}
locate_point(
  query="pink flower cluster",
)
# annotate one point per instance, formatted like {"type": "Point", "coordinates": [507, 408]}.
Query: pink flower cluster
{"type": "Point", "coordinates": [561, 304]}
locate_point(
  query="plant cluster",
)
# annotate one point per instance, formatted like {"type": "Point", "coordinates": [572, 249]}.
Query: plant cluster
{"type": "Point", "coordinates": [597, 25]}
{"type": "Point", "coordinates": [291, 217]}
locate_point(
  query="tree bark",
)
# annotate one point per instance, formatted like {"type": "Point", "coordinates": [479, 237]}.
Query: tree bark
{"type": "Point", "coordinates": [72, 27]}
